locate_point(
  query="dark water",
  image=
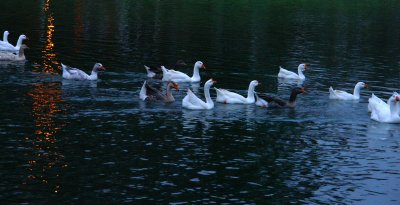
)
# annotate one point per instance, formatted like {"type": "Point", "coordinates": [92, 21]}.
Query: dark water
{"type": "Point", "coordinates": [68, 142]}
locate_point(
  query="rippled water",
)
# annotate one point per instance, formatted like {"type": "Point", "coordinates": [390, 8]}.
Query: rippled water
{"type": "Point", "coordinates": [95, 142]}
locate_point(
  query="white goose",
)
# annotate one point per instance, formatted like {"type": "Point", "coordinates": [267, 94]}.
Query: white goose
{"type": "Point", "coordinates": [177, 76]}
{"type": "Point", "coordinates": [374, 101]}
{"type": "Point", "coordinates": [283, 73]}
{"type": "Point", "coordinates": [11, 48]}
{"type": "Point", "coordinates": [70, 73]}
{"type": "Point", "coordinates": [377, 101]}
{"type": "Point", "coordinates": [382, 112]}
{"type": "Point", "coordinates": [343, 95]}
{"type": "Point", "coordinates": [191, 101]}
{"type": "Point", "coordinates": [14, 57]}
{"type": "Point", "coordinates": [225, 96]}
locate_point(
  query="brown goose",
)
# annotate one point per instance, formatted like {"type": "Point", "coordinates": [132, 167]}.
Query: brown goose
{"type": "Point", "coordinates": [14, 57]}
{"type": "Point", "coordinates": [277, 102]}
{"type": "Point", "coordinates": [156, 71]}
{"type": "Point", "coordinates": [149, 93]}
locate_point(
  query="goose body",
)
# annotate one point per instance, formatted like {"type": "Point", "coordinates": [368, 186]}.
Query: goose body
{"type": "Point", "coordinates": [14, 57]}
{"type": "Point", "coordinates": [156, 71]}
{"type": "Point", "coordinates": [386, 113]}
{"type": "Point", "coordinates": [149, 93]}
{"type": "Point", "coordinates": [177, 76]}
{"type": "Point", "coordinates": [283, 73]}
{"type": "Point", "coordinates": [225, 96]}
{"type": "Point", "coordinates": [260, 102]}
{"type": "Point", "coordinates": [10, 48]}
{"type": "Point", "coordinates": [343, 95]}
{"type": "Point", "coordinates": [280, 103]}
{"type": "Point", "coordinates": [192, 102]}
{"type": "Point", "coordinates": [375, 101]}
{"type": "Point", "coordinates": [70, 73]}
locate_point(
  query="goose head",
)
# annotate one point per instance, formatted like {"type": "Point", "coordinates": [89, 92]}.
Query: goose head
{"type": "Point", "coordinates": [172, 84]}
{"type": "Point", "coordinates": [298, 90]}
{"type": "Point", "coordinates": [23, 37]}
{"type": "Point", "coordinates": [20, 39]}
{"type": "Point", "coordinates": [361, 85]}
{"type": "Point", "coordinates": [199, 64]}
{"type": "Point", "coordinates": [303, 67]}
{"type": "Point", "coordinates": [254, 83]}
{"type": "Point", "coordinates": [98, 67]}
{"type": "Point", "coordinates": [394, 98]}
{"type": "Point", "coordinates": [5, 36]}
{"type": "Point", "coordinates": [209, 83]}
{"type": "Point", "coordinates": [392, 101]}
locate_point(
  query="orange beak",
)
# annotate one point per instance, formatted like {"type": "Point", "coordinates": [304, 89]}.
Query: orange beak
{"type": "Point", "coordinates": [366, 85]}
{"type": "Point", "coordinates": [203, 66]}
{"type": "Point", "coordinates": [397, 99]}
{"type": "Point", "coordinates": [176, 87]}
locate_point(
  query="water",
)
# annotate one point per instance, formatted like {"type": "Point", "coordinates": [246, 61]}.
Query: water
{"type": "Point", "coordinates": [69, 142]}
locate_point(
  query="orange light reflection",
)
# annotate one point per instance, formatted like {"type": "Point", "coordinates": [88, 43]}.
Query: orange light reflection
{"type": "Point", "coordinates": [50, 63]}
{"type": "Point", "coordinates": [47, 161]}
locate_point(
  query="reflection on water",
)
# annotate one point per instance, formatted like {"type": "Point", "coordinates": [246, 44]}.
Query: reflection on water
{"type": "Point", "coordinates": [291, 83]}
{"type": "Point", "coordinates": [49, 59]}
{"type": "Point", "coordinates": [47, 162]}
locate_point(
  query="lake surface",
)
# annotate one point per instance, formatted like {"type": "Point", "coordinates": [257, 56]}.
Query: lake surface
{"type": "Point", "coordinates": [68, 142]}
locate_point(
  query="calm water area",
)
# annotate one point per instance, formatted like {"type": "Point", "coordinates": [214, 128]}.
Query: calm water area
{"type": "Point", "coordinates": [71, 142]}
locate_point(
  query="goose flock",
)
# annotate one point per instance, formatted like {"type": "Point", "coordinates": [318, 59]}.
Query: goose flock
{"type": "Point", "coordinates": [8, 52]}
{"type": "Point", "coordinates": [381, 111]}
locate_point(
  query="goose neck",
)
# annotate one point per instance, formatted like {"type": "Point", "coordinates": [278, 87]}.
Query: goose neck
{"type": "Point", "coordinates": [21, 55]}
{"type": "Point", "coordinates": [292, 98]}
{"type": "Point", "coordinates": [250, 93]}
{"type": "Point", "coordinates": [207, 95]}
{"type": "Point", "coordinates": [93, 75]}
{"type": "Point", "coordinates": [19, 42]}
{"type": "Point", "coordinates": [169, 93]}
{"type": "Point", "coordinates": [196, 74]}
{"type": "Point", "coordinates": [300, 72]}
{"type": "Point", "coordinates": [394, 108]}
{"type": "Point", "coordinates": [5, 37]}
{"type": "Point", "coordinates": [356, 91]}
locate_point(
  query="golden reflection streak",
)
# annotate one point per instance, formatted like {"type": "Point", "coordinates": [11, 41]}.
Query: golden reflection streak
{"type": "Point", "coordinates": [49, 60]}
{"type": "Point", "coordinates": [46, 6]}
{"type": "Point", "coordinates": [47, 162]}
